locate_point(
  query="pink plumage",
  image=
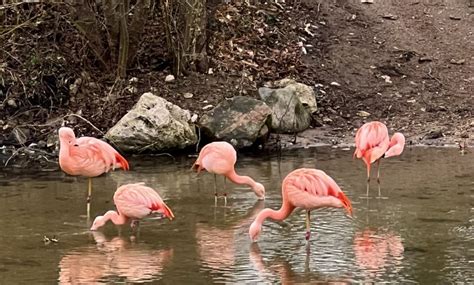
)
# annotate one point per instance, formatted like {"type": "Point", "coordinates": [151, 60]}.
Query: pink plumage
{"type": "Point", "coordinates": [220, 158]}
{"type": "Point", "coordinates": [304, 188]}
{"type": "Point", "coordinates": [87, 156]}
{"type": "Point", "coordinates": [134, 202]}
{"type": "Point", "coordinates": [372, 143]}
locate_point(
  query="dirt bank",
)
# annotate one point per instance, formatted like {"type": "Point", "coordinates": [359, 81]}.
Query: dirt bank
{"type": "Point", "coordinates": [409, 64]}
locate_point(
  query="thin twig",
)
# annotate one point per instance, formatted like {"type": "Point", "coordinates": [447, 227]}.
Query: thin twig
{"type": "Point", "coordinates": [85, 120]}
{"type": "Point", "coordinates": [199, 139]}
{"type": "Point", "coordinates": [19, 26]}
{"type": "Point", "coordinates": [13, 155]}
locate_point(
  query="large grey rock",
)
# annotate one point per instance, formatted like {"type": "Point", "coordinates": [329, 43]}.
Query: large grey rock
{"type": "Point", "coordinates": [288, 113]}
{"type": "Point", "coordinates": [239, 121]}
{"type": "Point", "coordinates": [153, 124]}
{"type": "Point", "coordinates": [304, 92]}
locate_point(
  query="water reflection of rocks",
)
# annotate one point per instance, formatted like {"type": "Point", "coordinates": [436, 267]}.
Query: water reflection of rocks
{"type": "Point", "coordinates": [115, 260]}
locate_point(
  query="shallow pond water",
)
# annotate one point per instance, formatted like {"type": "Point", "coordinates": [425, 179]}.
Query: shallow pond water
{"type": "Point", "coordinates": [423, 232]}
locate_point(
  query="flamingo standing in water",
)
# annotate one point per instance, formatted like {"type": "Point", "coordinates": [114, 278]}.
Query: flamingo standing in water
{"type": "Point", "coordinates": [304, 188]}
{"type": "Point", "coordinates": [134, 202]}
{"type": "Point", "coordinates": [372, 143]}
{"type": "Point", "coordinates": [87, 156]}
{"type": "Point", "coordinates": [220, 158]}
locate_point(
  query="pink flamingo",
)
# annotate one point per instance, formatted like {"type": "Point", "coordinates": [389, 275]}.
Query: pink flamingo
{"type": "Point", "coordinates": [304, 188]}
{"type": "Point", "coordinates": [372, 143]}
{"type": "Point", "coordinates": [220, 158]}
{"type": "Point", "coordinates": [87, 156]}
{"type": "Point", "coordinates": [134, 202]}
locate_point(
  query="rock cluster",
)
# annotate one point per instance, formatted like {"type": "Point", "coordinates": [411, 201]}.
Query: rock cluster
{"type": "Point", "coordinates": [155, 124]}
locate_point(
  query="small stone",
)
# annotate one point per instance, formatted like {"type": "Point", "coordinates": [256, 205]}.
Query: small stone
{"type": "Point", "coordinates": [42, 144]}
{"type": "Point", "coordinates": [458, 62]}
{"type": "Point", "coordinates": [363, 114]}
{"type": "Point", "coordinates": [132, 89]}
{"type": "Point", "coordinates": [188, 95]}
{"type": "Point", "coordinates": [424, 59]}
{"type": "Point", "coordinates": [194, 118]}
{"type": "Point", "coordinates": [387, 79]}
{"type": "Point", "coordinates": [334, 83]}
{"type": "Point", "coordinates": [169, 78]}
{"type": "Point", "coordinates": [367, 1]}
{"type": "Point", "coordinates": [456, 18]}
{"type": "Point", "coordinates": [434, 134]}
{"type": "Point", "coordinates": [207, 107]}
{"type": "Point", "coordinates": [12, 103]}
{"type": "Point", "coordinates": [327, 120]}
{"type": "Point", "coordinates": [210, 71]}
{"type": "Point", "coordinates": [133, 80]}
{"type": "Point", "coordinates": [390, 17]}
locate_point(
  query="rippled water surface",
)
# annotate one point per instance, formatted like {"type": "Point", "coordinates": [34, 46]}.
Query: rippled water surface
{"type": "Point", "coordinates": [423, 232]}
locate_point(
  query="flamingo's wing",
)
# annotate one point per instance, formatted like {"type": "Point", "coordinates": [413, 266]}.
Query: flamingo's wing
{"type": "Point", "coordinates": [310, 189]}
{"type": "Point", "coordinates": [102, 149]}
{"type": "Point", "coordinates": [371, 141]}
{"type": "Point", "coordinates": [87, 159]}
{"type": "Point", "coordinates": [216, 157]}
{"type": "Point", "coordinates": [138, 201]}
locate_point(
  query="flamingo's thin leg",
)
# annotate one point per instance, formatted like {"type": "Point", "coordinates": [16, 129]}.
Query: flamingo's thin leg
{"type": "Point", "coordinates": [308, 230]}
{"type": "Point", "coordinates": [368, 180]}
{"type": "Point", "coordinates": [225, 192]}
{"type": "Point", "coordinates": [378, 175]}
{"type": "Point", "coordinates": [89, 194]}
{"type": "Point", "coordinates": [215, 190]}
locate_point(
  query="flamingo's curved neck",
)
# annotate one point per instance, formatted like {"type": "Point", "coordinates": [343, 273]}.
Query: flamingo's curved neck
{"type": "Point", "coordinates": [63, 148]}
{"type": "Point", "coordinates": [395, 140]}
{"type": "Point", "coordinates": [115, 217]}
{"type": "Point", "coordinates": [396, 145]}
{"type": "Point", "coordinates": [238, 179]}
{"type": "Point", "coordinates": [277, 215]}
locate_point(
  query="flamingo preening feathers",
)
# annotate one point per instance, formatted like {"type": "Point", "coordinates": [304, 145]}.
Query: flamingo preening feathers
{"type": "Point", "coordinates": [372, 143]}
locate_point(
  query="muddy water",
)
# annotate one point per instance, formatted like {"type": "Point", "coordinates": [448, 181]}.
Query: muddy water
{"type": "Point", "coordinates": [423, 232]}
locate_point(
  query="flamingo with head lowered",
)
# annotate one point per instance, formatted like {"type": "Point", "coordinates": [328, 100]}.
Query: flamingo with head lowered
{"type": "Point", "coordinates": [305, 188]}
{"type": "Point", "coordinates": [220, 158]}
{"type": "Point", "coordinates": [87, 156]}
{"type": "Point", "coordinates": [134, 202]}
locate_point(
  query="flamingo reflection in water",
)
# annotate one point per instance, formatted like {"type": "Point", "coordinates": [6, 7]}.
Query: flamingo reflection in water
{"type": "Point", "coordinates": [281, 269]}
{"type": "Point", "coordinates": [112, 260]}
{"type": "Point", "coordinates": [217, 247]}
{"type": "Point", "coordinates": [377, 251]}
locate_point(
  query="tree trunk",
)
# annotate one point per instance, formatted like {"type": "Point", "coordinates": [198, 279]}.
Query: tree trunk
{"type": "Point", "coordinates": [124, 40]}
{"type": "Point", "coordinates": [185, 25]}
{"type": "Point", "coordinates": [140, 14]}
